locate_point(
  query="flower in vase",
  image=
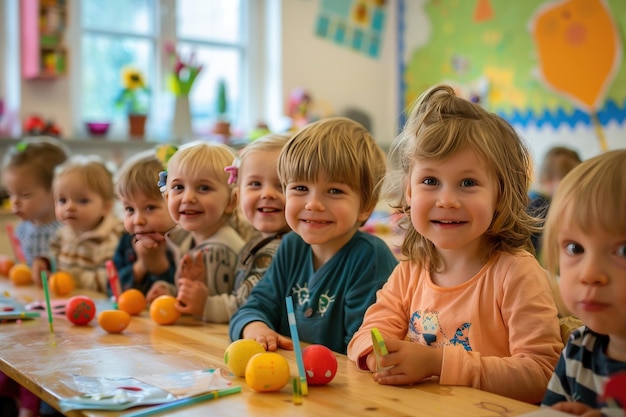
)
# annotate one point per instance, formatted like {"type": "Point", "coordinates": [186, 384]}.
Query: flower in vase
{"type": "Point", "coordinates": [133, 97]}
{"type": "Point", "coordinates": [184, 71]}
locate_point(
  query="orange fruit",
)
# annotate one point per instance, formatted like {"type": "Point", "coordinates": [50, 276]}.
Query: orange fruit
{"type": "Point", "coordinates": [114, 321]}
{"type": "Point", "coordinates": [163, 310]}
{"type": "Point", "coordinates": [61, 283]}
{"type": "Point", "coordinates": [5, 266]}
{"type": "Point", "coordinates": [20, 274]}
{"type": "Point", "coordinates": [132, 301]}
{"type": "Point", "coordinates": [267, 371]}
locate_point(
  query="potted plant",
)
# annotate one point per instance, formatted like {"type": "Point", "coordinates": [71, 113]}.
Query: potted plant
{"type": "Point", "coordinates": [134, 100]}
{"type": "Point", "coordinates": [222, 126]}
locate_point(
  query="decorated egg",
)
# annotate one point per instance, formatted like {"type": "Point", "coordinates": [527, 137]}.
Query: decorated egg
{"type": "Point", "coordinates": [80, 310]}
{"type": "Point", "coordinates": [267, 371]}
{"type": "Point", "coordinates": [238, 354]}
{"type": "Point", "coordinates": [320, 364]}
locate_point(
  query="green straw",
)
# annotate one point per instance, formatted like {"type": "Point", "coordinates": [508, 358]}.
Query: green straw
{"type": "Point", "coordinates": [183, 402]}
{"type": "Point", "coordinates": [44, 282]}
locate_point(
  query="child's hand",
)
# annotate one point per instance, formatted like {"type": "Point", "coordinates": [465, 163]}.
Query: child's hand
{"type": "Point", "coordinates": [149, 240]}
{"type": "Point", "coordinates": [38, 265]}
{"type": "Point", "coordinates": [411, 362]}
{"type": "Point", "coordinates": [158, 288]}
{"type": "Point", "coordinates": [191, 296]}
{"type": "Point", "coordinates": [192, 267]}
{"type": "Point", "coordinates": [577, 409]}
{"type": "Point", "coordinates": [268, 338]}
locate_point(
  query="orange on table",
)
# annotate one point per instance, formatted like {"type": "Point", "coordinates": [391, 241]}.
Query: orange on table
{"type": "Point", "coordinates": [20, 274]}
{"type": "Point", "coordinates": [114, 321]}
{"type": "Point", "coordinates": [163, 310]}
{"type": "Point", "coordinates": [6, 264]}
{"type": "Point", "coordinates": [61, 283]}
{"type": "Point", "coordinates": [132, 301]}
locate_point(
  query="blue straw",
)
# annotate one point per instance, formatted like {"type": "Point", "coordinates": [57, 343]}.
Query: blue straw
{"type": "Point", "coordinates": [293, 329]}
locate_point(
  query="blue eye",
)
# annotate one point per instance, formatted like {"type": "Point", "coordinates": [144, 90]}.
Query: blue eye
{"type": "Point", "coordinates": [468, 183]}
{"type": "Point", "coordinates": [621, 251]}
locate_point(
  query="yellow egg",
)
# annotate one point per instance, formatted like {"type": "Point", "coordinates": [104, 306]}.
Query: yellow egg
{"type": "Point", "coordinates": [238, 354]}
{"type": "Point", "coordinates": [267, 371]}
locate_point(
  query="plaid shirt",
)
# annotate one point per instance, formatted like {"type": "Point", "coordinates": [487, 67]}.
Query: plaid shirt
{"type": "Point", "coordinates": [35, 240]}
{"type": "Point", "coordinates": [84, 255]}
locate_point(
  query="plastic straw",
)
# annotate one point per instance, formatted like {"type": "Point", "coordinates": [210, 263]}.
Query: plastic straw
{"type": "Point", "coordinates": [293, 329]}
{"type": "Point", "coordinates": [44, 282]}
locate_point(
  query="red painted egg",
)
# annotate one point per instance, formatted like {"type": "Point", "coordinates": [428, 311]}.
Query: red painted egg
{"type": "Point", "coordinates": [320, 364]}
{"type": "Point", "coordinates": [80, 310]}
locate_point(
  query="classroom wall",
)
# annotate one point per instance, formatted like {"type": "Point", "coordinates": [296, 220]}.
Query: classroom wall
{"type": "Point", "coordinates": [338, 78]}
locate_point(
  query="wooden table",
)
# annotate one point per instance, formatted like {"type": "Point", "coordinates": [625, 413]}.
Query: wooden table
{"type": "Point", "coordinates": [43, 362]}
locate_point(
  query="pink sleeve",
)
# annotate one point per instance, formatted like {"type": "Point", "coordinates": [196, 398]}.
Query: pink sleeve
{"type": "Point", "coordinates": [388, 313]}
{"type": "Point", "coordinates": [528, 314]}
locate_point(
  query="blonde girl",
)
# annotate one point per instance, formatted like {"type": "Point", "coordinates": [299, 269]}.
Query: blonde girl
{"type": "Point", "coordinates": [202, 202]}
{"type": "Point", "coordinates": [585, 243]}
{"type": "Point", "coordinates": [470, 305]}
{"type": "Point", "coordinates": [84, 198]}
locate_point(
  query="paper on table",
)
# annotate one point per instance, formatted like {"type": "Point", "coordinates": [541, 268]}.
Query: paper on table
{"type": "Point", "coordinates": [121, 393]}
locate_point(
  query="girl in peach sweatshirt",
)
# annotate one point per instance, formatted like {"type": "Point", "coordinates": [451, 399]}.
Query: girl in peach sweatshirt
{"type": "Point", "coordinates": [470, 305]}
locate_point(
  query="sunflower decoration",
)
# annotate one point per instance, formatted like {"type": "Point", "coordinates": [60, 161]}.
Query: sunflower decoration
{"type": "Point", "coordinates": [134, 95]}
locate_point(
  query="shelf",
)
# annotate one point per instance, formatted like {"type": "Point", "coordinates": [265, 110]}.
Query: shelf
{"type": "Point", "coordinates": [43, 24]}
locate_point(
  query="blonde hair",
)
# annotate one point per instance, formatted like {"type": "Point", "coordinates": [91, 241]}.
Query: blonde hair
{"type": "Point", "coordinates": [340, 148]}
{"type": "Point", "coordinates": [93, 171]}
{"type": "Point", "coordinates": [268, 143]}
{"type": "Point", "coordinates": [41, 154]}
{"type": "Point", "coordinates": [139, 175]}
{"type": "Point", "coordinates": [592, 196]}
{"type": "Point", "coordinates": [441, 124]}
{"type": "Point", "coordinates": [196, 156]}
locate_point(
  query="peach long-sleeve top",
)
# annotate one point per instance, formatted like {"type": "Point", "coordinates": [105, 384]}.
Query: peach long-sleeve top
{"type": "Point", "coordinates": [499, 330]}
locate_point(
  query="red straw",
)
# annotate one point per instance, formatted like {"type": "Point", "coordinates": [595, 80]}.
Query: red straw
{"type": "Point", "coordinates": [114, 279]}
{"type": "Point", "coordinates": [15, 244]}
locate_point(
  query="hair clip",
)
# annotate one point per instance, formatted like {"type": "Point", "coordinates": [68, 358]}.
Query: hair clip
{"type": "Point", "coordinates": [233, 170]}
{"type": "Point", "coordinates": [162, 181]}
{"type": "Point", "coordinates": [164, 152]}
{"type": "Point", "coordinates": [21, 146]}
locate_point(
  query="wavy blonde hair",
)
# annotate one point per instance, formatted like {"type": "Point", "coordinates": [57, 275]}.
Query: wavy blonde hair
{"type": "Point", "coordinates": [441, 124]}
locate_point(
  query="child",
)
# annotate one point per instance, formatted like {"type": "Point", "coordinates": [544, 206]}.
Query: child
{"type": "Point", "coordinates": [557, 162]}
{"type": "Point", "coordinates": [330, 172]}
{"type": "Point", "coordinates": [145, 212]}
{"type": "Point", "coordinates": [262, 202]}
{"type": "Point", "coordinates": [203, 204]}
{"type": "Point", "coordinates": [470, 304]}
{"type": "Point", "coordinates": [585, 242]}
{"type": "Point", "coordinates": [27, 173]}
{"type": "Point", "coordinates": [83, 191]}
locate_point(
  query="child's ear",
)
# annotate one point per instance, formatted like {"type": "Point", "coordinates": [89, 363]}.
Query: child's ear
{"type": "Point", "coordinates": [232, 204]}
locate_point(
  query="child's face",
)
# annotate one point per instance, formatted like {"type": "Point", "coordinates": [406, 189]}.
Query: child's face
{"type": "Point", "coordinates": [592, 268]}
{"type": "Point", "coordinates": [143, 214]}
{"type": "Point", "coordinates": [199, 203]}
{"type": "Point", "coordinates": [453, 201]}
{"type": "Point", "coordinates": [324, 213]}
{"type": "Point", "coordinates": [260, 194]}
{"type": "Point", "coordinates": [30, 200]}
{"type": "Point", "coordinates": [76, 205]}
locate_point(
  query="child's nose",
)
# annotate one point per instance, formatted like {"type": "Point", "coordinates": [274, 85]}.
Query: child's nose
{"type": "Point", "coordinates": [448, 198]}
{"type": "Point", "coordinates": [314, 203]}
{"type": "Point", "coordinates": [189, 195]}
{"type": "Point", "coordinates": [592, 272]}
{"type": "Point", "coordinates": [270, 192]}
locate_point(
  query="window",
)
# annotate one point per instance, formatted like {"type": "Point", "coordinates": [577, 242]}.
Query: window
{"type": "Point", "coordinates": [119, 33]}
